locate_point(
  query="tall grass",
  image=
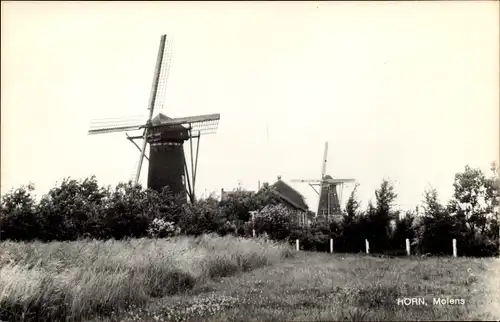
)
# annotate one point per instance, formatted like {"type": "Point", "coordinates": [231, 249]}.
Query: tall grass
{"type": "Point", "coordinates": [75, 280]}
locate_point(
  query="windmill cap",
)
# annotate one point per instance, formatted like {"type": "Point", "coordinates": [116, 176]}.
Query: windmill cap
{"type": "Point", "coordinates": [328, 176]}
{"type": "Point", "coordinates": [279, 177]}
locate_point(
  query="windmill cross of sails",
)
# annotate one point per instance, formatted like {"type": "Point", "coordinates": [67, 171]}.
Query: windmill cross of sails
{"type": "Point", "coordinates": [329, 203]}
{"type": "Point", "coordinates": [168, 165]}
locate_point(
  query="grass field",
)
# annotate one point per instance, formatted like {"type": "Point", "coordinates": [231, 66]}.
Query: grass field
{"type": "Point", "coordinates": [229, 279]}
{"type": "Point", "coordinates": [79, 279]}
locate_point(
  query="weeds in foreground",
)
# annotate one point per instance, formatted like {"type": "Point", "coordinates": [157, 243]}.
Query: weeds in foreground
{"type": "Point", "coordinates": [72, 280]}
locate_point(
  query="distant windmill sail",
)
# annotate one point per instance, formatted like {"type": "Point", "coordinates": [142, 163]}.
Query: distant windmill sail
{"type": "Point", "coordinates": [168, 166]}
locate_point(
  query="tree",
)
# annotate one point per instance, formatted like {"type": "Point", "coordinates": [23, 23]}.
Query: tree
{"type": "Point", "coordinates": [370, 209]}
{"type": "Point", "coordinates": [237, 205]}
{"type": "Point", "coordinates": [275, 220]}
{"type": "Point", "coordinates": [434, 232]}
{"type": "Point", "coordinates": [169, 207]}
{"type": "Point", "coordinates": [379, 217]}
{"type": "Point", "coordinates": [432, 207]}
{"type": "Point", "coordinates": [265, 196]}
{"type": "Point", "coordinates": [128, 211]}
{"type": "Point", "coordinates": [475, 199]}
{"type": "Point", "coordinates": [492, 199]}
{"type": "Point", "coordinates": [66, 209]}
{"type": "Point", "coordinates": [470, 216]}
{"type": "Point", "coordinates": [18, 216]}
{"type": "Point", "coordinates": [203, 217]}
{"type": "Point", "coordinates": [352, 205]}
{"type": "Point", "coordinates": [403, 230]}
{"type": "Point", "coordinates": [385, 197]}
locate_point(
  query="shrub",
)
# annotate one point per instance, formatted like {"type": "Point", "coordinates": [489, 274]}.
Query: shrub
{"type": "Point", "coordinates": [479, 246]}
{"type": "Point", "coordinates": [203, 217]}
{"type": "Point", "coordinates": [379, 218]}
{"type": "Point", "coordinates": [19, 219]}
{"type": "Point", "coordinates": [403, 231]}
{"type": "Point", "coordinates": [131, 209]}
{"type": "Point", "coordinates": [237, 205]}
{"type": "Point", "coordinates": [160, 228]}
{"type": "Point", "coordinates": [67, 210]}
{"type": "Point", "coordinates": [228, 228]}
{"type": "Point", "coordinates": [316, 237]}
{"type": "Point", "coordinates": [352, 235]}
{"type": "Point", "coordinates": [275, 220]}
{"type": "Point", "coordinates": [169, 207]}
{"type": "Point", "coordinates": [434, 235]}
{"type": "Point", "coordinates": [315, 241]}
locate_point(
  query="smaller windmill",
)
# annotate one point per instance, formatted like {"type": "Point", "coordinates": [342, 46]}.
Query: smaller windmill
{"type": "Point", "coordinates": [329, 203]}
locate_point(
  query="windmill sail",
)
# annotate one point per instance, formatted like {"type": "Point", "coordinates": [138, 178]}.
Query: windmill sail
{"type": "Point", "coordinates": [163, 76]}
{"type": "Point", "coordinates": [306, 180]}
{"type": "Point", "coordinates": [325, 156]}
{"type": "Point", "coordinates": [152, 100]}
{"type": "Point", "coordinates": [338, 181]}
{"type": "Point", "coordinates": [109, 125]}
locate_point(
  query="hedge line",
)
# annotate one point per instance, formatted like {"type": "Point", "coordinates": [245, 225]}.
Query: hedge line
{"type": "Point", "coordinates": [84, 209]}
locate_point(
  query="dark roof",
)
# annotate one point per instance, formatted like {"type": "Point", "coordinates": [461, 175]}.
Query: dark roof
{"type": "Point", "coordinates": [160, 118]}
{"type": "Point", "coordinates": [290, 195]}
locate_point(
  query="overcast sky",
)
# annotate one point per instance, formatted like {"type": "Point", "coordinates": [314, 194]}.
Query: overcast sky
{"type": "Point", "coordinates": [407, 91]}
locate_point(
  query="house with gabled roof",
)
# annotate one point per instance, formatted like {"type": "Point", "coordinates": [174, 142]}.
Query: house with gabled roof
{"type": "Point", "coordinates": [286, 195]}
{"type": "Point", "coordinates": [293, 200]}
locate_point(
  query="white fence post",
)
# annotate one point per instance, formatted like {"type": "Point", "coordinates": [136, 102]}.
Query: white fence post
{"type": "Point", "coordinates": [253, 222]}
{"type": "Point", "coordinates": [367, 246]}
{"type": "Point", "coordinates": [407, 247]}
{"type": "Point", "coordinates": [297, 244]}
{"type": "Point", "coordinates": [331, 245]}
{"type": "Point", "coordinates": [454, 247]}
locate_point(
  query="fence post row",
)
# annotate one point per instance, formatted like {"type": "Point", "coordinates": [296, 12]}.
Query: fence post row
{"type": "Point", "coordinates": [367, 246]}
{"type": "Point", "coordinates": [454, 244]}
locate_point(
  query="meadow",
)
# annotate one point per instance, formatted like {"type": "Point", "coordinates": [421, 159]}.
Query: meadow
{"type": "Point", "coordinates": [212, 278]}
{"type": "Point", "coordinates": [78, 280]}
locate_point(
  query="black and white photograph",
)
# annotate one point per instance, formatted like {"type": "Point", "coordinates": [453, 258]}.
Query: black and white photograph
{"type": "Point", "coordinates": [250, 161]}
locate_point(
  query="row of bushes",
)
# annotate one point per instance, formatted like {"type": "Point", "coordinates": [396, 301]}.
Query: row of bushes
{"type": "Point", "coordinates": [471, 217]}
{"type": "Point", "coordinates": [427, 235]}
{"type": "Point", "coordinates": [78, 209]}
{"type": "Point", "coordinates": [83, 209]}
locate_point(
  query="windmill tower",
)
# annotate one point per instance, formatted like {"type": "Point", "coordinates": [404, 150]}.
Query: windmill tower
{"type": "Point", "coordinates": [329, 203]}
{"type": "Point", "coordinates": [166, 136]}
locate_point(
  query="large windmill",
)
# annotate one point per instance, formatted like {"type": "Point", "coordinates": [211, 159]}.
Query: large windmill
{"type": "Point", "coordinates": [166, 137]}
{"type": "Point", "coordinates": [329, 203]}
